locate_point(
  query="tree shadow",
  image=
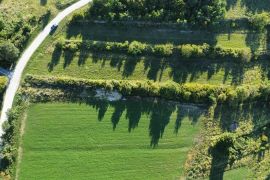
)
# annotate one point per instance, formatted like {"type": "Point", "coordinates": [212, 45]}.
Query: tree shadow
{"type": "Point", "coordinates": [43, 2]}
{"type": "Point", "coordinates": [68, 57]}
{"type": "Point", "coordinates": [150, 34]}
{"type": "Point", "coordinates": [158, 111]}
{"type": "Point", "coordinates": [56, 55]}
{"type": "Point", "coordinates": [230, 4]}
{"type": "Point", "coordinates": [130, 65]}
{"type": "Point", "coordinates": [220, 160]}
{"type": "Point", "coordinates": [45, 18]}
{"type": "Point", "coordinates": [257, 112]}
{"type": "Point", "coordinates": [254, 6]}
{"type": "Point", "coordinates": [179, 70]}
{"type": "Point", "coordinates": [254, 41]}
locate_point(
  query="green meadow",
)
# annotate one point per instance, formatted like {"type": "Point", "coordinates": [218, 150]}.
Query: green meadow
{"type": "Point", "coordinates": [135, 139]}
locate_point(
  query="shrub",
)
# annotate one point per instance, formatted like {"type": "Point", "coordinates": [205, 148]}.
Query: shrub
{"type": "Point", "coordinates": [260, 21]}
{"type": "Point", "coordinates": [163, 49]}
{"type": "Point", "coordinates": [72, 46]}
{"type": "Point", "coordinates": [192, 51]}
{"type": "Point", "coordinates": [136, 48]}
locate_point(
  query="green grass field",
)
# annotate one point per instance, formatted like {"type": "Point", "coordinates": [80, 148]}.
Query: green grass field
{"type": "Point", "coordinates": [236, 174]}
{"type": "Point", "coordinates": [239, 173]}
{"type": "Point", "coordinates": [132, 139]}
{"type": "Point", "coordinates": [75, 141]}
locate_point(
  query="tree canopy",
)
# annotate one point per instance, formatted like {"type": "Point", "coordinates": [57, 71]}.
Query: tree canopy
{"type": "Point", "coordinates": [8, 52]}
{"type": "Point", "coordinates": [201, 12]}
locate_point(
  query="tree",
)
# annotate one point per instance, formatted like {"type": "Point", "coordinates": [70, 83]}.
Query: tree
{"type": "Point", "coordinates": [8, 52]}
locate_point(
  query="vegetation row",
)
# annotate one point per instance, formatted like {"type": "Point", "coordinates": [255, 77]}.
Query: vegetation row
{"type": "Point", "coordinates": [196, 12]}
{"type": "Point", "coordinates": [135, 48]}
{"type": "Point", "coordinates": [190, 92]}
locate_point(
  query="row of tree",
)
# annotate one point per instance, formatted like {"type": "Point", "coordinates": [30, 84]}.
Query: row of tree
{"type": "Point", "coordinates": [135, 48]}
{"type": "Point", "coordinates": [190, 93]}
{"type": "Point", "coordinates": [194, 12]}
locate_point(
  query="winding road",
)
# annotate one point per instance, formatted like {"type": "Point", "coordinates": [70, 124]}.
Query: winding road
{"type": "Point", "coordinates": [22, 62]}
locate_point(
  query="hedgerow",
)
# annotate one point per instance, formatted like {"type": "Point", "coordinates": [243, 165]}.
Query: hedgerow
{"type": "Point", "coordinates": [185, 51]}
{"type": "Point", "coordinates": [10, 137]}
{"type": "Point", "coordinates": [190, 92]}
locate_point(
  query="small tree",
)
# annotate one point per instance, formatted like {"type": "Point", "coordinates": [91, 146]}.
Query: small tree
{"type": "Point", "coordinates": [260, 21]}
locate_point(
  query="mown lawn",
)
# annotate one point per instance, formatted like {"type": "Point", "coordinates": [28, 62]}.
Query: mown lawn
{"type": "Point", "coordinates": [239, 173]}
{"type": "Point", "coordinates": [75, 141]}
{"type": "Point", "coordinates": [236, 174]}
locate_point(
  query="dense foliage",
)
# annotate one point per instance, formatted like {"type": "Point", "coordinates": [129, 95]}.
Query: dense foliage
{"type": "Point", "coordinates": [186, 51]}
{"type": "Point", "coordinates": [195, 12]}
{"type": "Point", "coordinates": [8, 53]}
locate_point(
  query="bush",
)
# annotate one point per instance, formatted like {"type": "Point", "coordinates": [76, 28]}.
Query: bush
{"type": "Point", "coordinates": [260, 21]}
{"type": "Point", "coordinates": [72, 46]}
{"type": "Point", "coordinates": [192, 51]}
{"type": "Point", "coordinates": [136, 48]}
{"type": "Point", "coordinates": [163, 49]}
{"type": "Point", "coordinates": [77, 17]}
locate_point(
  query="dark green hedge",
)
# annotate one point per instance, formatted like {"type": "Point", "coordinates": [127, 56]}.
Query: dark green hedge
{"type": "Point", "coordinates": [186, 51]}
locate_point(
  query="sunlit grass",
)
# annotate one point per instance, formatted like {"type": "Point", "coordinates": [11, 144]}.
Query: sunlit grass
{"type": "Point", "coordinates": [64, 141]}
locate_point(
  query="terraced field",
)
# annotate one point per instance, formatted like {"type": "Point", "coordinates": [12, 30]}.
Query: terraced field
{"type": "Point", "coordinates": [85, 64]}
{"type": "Point", "coordinates": [135, 138]}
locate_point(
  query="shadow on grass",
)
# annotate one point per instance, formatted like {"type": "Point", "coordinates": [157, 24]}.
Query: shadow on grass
{"type": "Point", "coordinates": [158, 111]}
{"type": "Point", "coordinates": [119, 33]}
{"type": "Point", "coordinates": [230, 4]}
{"type": "Point", "coordinates": [43, 2]}
{"type": "Point", "coordinates": [220, 158]}
{"type": "Point", "coordinates": [56, 55]}
{"type": "Point", "coordinates": [180, 70]}
{"type": "Point", "coordinates": [259, 113]}
{"type": "Point", "coordinates": [44, 20]}
{"type": "Point", "coordinates": [254, 6]}
{"type": "Point", "coordinates": [254, 41]}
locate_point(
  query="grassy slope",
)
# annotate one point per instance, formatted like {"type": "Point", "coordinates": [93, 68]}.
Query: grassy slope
{"type": "Point", "coordinates": [112, 66]}
{"type": "Point", "coordinates": [236, 174]}
{"type": "Point", "coordinates": [25, 8]}
{"type": "Point", "coordinates": [66, 141]}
